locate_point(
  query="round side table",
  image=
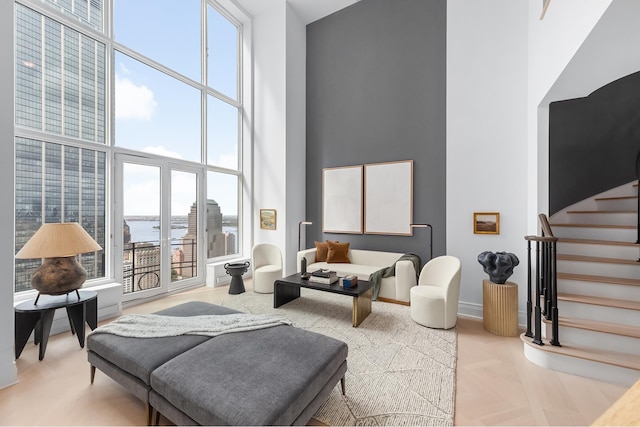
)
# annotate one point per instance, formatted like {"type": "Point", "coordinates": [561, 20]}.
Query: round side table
{"type": "Point", "coordinates": [236, 270]}
{"type": "Point", "coordinates": [81, 307]}
{"type": "Point", "coordinates": [500, 308]}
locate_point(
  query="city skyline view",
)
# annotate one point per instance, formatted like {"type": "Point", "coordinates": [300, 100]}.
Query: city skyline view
{"type": "Point", "coordinates": [174, 102]}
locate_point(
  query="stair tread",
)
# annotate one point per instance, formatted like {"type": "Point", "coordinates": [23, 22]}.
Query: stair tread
{"type": "Point", "coordinates": [604, 212]}
{"type": "Point", "coordinates": [596, 242]}
{"type": "Point", "coordinates": [623, 227]}
{"type": "Point", "coordinates": [599, 279]}
{"type": "Point", "coordinates": [616, 198]}
{"type": "Point", "coordinates": [597, 326]}
{"type": "Point", "coordinates": [568, 257]}
{"type": "Point", "coordinates": [623, 360]}
{"type": "Point", "coordinates": [593, 300]}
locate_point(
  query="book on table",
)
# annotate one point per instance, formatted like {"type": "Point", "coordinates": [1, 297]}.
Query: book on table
{"type": "Point", "coordinates": [326, 277]}
{"type": "Point", "coordinates": [349, 281]}
{"type": "Point", "coordinates": [324, 280]}
{"type": "Point", "coordinates": [323, 272]}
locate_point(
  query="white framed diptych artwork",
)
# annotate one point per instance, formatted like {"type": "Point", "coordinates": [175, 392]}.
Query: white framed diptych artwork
{"type": "Point", "coordinates": [388, 198]}
{"type": "Point", "coordinates": [342, 200]}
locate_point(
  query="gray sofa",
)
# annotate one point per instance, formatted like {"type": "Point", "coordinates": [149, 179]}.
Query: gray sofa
{"type": "Point", "coordinates": [275, 376]}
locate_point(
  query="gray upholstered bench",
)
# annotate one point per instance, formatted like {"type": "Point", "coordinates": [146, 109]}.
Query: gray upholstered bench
{"type": "Point", "coordinates": [279, 375]}
{"type": "Point", "coordinates": [130, 361]}
{"type": "Point", "coordinates": [274, 376]}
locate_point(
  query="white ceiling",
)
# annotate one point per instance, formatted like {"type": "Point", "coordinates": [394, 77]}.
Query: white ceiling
{"type": "Point", "coordinates": [308, 10]}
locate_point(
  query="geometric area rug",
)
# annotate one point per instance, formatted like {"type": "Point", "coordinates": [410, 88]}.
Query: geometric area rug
{"type": "Point", "coordinates": [398, 372]}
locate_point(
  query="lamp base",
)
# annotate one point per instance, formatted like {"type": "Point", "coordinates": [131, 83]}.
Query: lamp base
{"type": "Point", "coordinates": [58, 276]}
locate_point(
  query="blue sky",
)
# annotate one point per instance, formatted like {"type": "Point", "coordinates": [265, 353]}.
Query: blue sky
{"type": "Point", "coordinates": [159, 114]}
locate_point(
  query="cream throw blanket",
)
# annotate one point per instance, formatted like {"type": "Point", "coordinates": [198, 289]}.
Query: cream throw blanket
{"type": "Point", "coordinates": [155, 326]}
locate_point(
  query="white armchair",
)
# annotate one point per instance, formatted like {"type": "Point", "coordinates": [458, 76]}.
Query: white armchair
{"type": "Point", "coordinates": [434, 302]}
{"type": "Point", "coordinates": [266, 267]}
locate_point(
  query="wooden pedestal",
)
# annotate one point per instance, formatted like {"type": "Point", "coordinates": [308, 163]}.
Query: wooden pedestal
{"type": "Point", "coordinates": [500, 308]}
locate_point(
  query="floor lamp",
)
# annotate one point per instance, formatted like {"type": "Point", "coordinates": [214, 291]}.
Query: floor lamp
{"type": "Point", "coordinates": [300, 224]}
{"type": "Point", "coordinates": [430, 237]}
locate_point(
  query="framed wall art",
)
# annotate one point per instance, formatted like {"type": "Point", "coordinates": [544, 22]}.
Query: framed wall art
{"type": "Point", "coordinates": [268, 219]}
{"type": "Point", "coordinates": [545, 6]}
{"type": "Point", "coordinates": [342, 200]}
{"type": "Point", "coordinates": [388, 198]}
{"type": "Point", "coordinates": [486, 223]}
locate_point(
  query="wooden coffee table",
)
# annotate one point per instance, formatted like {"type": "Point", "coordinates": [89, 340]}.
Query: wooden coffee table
{"type": "Point", "coordinates": [288, 288]}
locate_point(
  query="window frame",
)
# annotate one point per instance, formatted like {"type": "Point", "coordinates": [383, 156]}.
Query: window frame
{"type": "Point", "coordinates": [235, 15]}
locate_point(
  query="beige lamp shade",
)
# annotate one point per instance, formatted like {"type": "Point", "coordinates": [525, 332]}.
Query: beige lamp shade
{"type": "Point", "coordinates": [58, 240]}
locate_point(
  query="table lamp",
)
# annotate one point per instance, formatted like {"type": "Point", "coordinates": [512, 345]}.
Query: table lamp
{"type": "Point", "coordinates": [430, 237]}
{"type": "Point", "coordinates": [59, 243]}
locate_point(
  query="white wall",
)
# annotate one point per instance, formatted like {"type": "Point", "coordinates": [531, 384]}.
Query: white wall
{"type": "Point", "coordinates": [8, 371]}
{"type": "Point", "coordinates": [577, 48]}
{"type": "Point", "coordinates": [486, 136]}
{"type": "Point", "coordinates": [504, 67]}
{"type": "Point", "coordinates": [554, 40]}
{"type": "Point", "coordinates": [279, 40]}
{"type": "Point", "coordinates": [270, 114]}
{"type": "Point", "coordinates": [296, 134]}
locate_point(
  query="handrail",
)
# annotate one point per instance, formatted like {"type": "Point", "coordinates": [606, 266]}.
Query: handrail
{"type": "Point", "coordinates": [546, 283]}
{"type": "Point", "coordinates": [544, 223]}
{"type": "Point", "coordinates": [541, 238]}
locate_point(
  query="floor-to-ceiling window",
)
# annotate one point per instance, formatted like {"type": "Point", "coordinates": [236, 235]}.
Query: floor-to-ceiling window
{"type": "Point", "coordinates": [120, 85]}
{"type": "Point", "coordinates": [60, 117]}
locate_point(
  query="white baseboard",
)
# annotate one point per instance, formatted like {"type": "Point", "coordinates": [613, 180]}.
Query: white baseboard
{"type": "Point", "coordinates": [8, 373]}
{"type": "Point", "coordinates": [474, 310]}
{"type": "Point", "coordinates": [470, 309]}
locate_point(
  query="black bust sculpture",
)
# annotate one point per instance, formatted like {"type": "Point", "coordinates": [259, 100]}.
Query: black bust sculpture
{"type": "Point", "coordinates": [498, 265]}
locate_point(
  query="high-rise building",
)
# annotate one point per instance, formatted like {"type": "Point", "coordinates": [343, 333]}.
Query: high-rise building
{"type": "Point", "coordinates": [126, 232]}
{"type": "Point", "coordinates": [60, 92]}
{"type": "Point", "coordinates": [188, 266]}
{"type": "Point", "coordinates": [215, 237]}
{"type": "Point", "coordinates": [141, 266]}
{"type": "Point", "coordinates": [73, 191]}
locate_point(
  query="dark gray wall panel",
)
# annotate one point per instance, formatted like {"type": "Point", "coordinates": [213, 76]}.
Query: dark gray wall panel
{"type": "Point", "coordinates": [593, 142]}
{"type": "Point", "coordinates": [376, 80]}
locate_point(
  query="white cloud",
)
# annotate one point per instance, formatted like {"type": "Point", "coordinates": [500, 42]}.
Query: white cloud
{"type": "Point", "coordinates": [142, 189]}
{"type": "Point", "coordinates": [161, 151]}
{"type": "Point", "coordinates": [133, 102]}
{"type": "Point", "coordinates": [229, 161]}
{"type": "Point", "coordinates": [123, 69]}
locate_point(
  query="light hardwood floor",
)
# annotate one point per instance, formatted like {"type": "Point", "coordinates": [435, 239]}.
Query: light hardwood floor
{"type": "Point", "coordinates": [495, 384]}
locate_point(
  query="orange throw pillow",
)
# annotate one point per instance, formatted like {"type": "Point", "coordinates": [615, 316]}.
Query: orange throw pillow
{"type": "Point", "coordinates": [321, 252]}
{"type": "Point", "coordinates": [337, 252]}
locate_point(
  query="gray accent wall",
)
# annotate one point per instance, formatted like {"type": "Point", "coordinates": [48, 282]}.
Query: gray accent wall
{"type": "Point", "coordinates": [593, 142]}
{"type": "Point", "coordinates": [376, 92]}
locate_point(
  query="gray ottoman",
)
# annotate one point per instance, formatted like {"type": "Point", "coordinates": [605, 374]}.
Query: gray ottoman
{"type": "Point", "coordinates": [274, 376]}
{"type": "Point", "coordinates": [130, 361]}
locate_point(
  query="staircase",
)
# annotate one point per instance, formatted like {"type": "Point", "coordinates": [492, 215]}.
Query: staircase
{"type": "Point", "coordinates": [598, 280]}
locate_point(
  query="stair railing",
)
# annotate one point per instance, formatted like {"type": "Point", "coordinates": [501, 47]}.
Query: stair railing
{"type": "Point", "coordinates": [546, 283]}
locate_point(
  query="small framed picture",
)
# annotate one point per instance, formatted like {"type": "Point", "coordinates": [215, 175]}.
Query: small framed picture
{"type": "Point", "coordinates": [486, 223]}
{"type": "Point", "coordinates": [268, 219]}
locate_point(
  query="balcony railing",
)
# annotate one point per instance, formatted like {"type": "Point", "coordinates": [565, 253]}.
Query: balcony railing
{"type": "Point", "coordinates": [141, 264]}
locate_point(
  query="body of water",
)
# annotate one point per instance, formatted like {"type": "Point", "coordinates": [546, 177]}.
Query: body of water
{"type": "Point", "coordinates": [144, 231]}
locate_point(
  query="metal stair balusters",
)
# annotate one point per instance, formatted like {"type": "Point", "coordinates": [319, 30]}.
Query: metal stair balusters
{"type": "Point", "coordinates": [546, 284]}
